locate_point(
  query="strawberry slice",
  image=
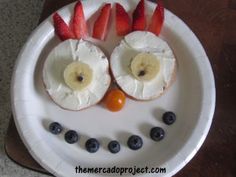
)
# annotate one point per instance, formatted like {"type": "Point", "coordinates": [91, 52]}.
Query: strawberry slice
{"type": "Point", "coordinates": [79, 24]}
{"type": "Point", "coordinates": [123, 25]}
{"type": "Point", "coordinates": [139, 20]}
{"type": "Point", "coordinates": [101, 24]}
{"type": "Point", "coordinates": [157, 19]}
{"type": "Point", "coordinates": [61, 28]}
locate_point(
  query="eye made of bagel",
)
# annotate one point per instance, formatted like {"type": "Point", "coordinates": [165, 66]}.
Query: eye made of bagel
{"type": "Point", "coordinates": [76, 75]}
{"type": "Point", "coordinates": [143, 65]}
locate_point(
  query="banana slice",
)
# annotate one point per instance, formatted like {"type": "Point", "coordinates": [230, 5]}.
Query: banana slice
{"type": "Point", "coordinates": [78, 75]}
{"type": "Point", "coordinates": [145, 66]}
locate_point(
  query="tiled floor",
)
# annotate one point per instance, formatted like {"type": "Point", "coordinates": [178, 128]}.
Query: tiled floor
{"type": "Point", "coordinates": [17, 20]}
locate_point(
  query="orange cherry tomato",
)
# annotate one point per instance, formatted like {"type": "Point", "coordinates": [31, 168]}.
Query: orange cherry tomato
{"type": "Point", "coordinates": [115, 100]}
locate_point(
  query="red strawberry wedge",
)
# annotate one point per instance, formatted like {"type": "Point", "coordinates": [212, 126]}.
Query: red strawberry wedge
{"type": "Point", "coordinates": [139, 20]}
{"type": "Point", "coordinates": [101, 24]}
{"type": "Point", "coordinates": [157, 19]}
{"type": "Point", "coordinates": [123, 25]}
{"type": "Point", "coordinates": [61, 28]}
{"type": "Point", "coordinates": [79, 24]}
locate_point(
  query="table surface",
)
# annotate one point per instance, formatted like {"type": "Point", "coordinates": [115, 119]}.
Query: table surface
{"type": "Point", "coordinates": [213, 22]}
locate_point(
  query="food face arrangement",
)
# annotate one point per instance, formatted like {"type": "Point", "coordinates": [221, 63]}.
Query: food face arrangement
{"type": "Point", "coordinates": [77, 74]}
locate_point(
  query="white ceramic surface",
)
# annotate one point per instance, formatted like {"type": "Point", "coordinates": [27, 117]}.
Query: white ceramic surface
{"type": "Point", "coordinates": [191, 97]}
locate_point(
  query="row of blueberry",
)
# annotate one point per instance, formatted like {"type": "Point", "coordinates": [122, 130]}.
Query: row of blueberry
{"type": "Point", "coordinates": [134, 142]}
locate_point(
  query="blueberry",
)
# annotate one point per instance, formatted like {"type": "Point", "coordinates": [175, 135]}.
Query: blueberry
{"type": "Point", "coordinates": [169, 118]}
{"type": "Point", "coordinates": [135, 142]}
{"type": "Point", "coordinates": [157, 133]}
{"type": "Point", "coordinates": [92, 145]}
{"type": "Point", "coordinates": [114, 146]}
{"type": "Point", "coordinates": [55, 128]}
{"type": "Point", "coordinates": [71, 137]}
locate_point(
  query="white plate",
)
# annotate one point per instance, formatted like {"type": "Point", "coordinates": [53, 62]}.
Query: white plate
{"type": "Point", "coordinates": [191, 97]}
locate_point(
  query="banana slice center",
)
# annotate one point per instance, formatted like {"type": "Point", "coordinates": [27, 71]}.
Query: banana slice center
{"type": "Point", "coordinates": [78, 75]}
{"type": "Point", "coordinates": [145, 66]}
